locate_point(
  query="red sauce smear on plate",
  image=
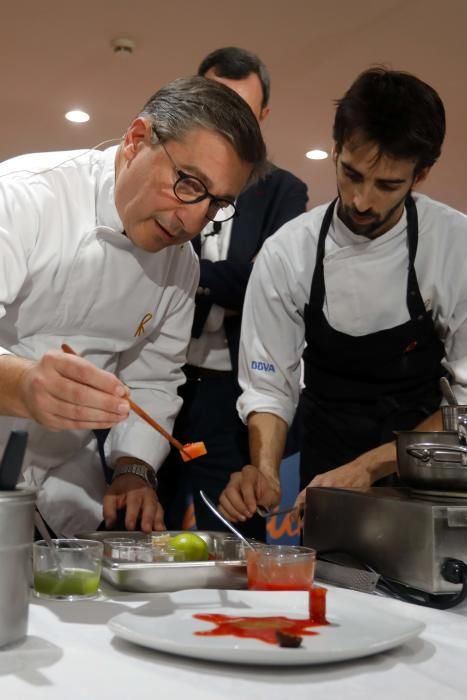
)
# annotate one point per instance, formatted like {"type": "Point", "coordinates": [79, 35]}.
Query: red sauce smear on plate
{"type": "Point", "coordinates": [264, 628]}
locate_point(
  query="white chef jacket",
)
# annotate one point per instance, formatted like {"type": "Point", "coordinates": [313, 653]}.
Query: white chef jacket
{"type": "Point", "coordinates": [69, 274]}
{"type": "Point", "coordinates": [366, 286]}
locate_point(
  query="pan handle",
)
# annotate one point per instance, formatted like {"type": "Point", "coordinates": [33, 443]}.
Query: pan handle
{"type": "Point", "coordinates": [426, 451]}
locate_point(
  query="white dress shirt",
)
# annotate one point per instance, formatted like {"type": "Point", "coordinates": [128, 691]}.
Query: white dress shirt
{"type": "Point", "coordinates": [69, 274]}
{"type": "Point", "coordinates": [211, 349]}
{"type": "Point", "coordinates": [366, 284]}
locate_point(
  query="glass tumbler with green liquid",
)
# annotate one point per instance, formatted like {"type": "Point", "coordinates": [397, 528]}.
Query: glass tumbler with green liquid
{"type": "Point", "coordinates": [69, 571]}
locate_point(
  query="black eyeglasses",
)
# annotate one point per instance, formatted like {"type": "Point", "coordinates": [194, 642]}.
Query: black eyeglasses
{"type": "Point", "coordinates": [191, 190]}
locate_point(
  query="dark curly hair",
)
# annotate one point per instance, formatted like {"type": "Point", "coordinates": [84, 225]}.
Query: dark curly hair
{"type": "Point", "coordinates": [400, 113]}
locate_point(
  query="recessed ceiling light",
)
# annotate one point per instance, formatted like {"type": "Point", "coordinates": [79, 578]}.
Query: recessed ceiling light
{"type": "Point", "coordinates": [123, 45]}
{"type": "Point", "coordinates": [76, 115]}
{"type": "Point", "coordinates": [316, 154]}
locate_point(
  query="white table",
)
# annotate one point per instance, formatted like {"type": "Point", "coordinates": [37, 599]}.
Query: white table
{"type": "Point", "coordinates": [70, 654]}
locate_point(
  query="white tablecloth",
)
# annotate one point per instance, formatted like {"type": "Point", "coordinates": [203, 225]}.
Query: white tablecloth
{"type": "Point", "coordinates": [70, 653]}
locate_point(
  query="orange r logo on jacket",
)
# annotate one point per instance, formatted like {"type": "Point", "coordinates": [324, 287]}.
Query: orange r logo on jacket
{"type": "Point", "coordinates": [146, 318]}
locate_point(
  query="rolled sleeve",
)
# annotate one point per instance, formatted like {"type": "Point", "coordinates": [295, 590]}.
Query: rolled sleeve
{"type": "Point", "coordinates": [272, 341]}
{"type": "Point", "coordinates": [455, 359]}
{"type": "Point", "coordinates": [18, 232]}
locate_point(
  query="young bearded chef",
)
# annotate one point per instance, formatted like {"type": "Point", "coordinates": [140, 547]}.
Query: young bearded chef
{"type": "Point", "coordinates": [373, 286]}
{"type": "Point", "coordinates": [92, 254]}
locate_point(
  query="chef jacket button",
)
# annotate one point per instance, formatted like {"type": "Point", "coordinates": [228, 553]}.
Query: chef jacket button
{"type": "Point", "coordinates": [207, 291]}
{"type": "Point", "coordinates": [420, 318]}
{"type": "Point", "coordinates": [413, 293]}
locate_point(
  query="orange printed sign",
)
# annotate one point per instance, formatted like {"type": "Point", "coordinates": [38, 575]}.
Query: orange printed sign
{"type": "Point", "coordinates": [278, 526]}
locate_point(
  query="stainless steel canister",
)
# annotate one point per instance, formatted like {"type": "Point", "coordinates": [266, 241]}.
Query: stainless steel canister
{"type": "Point", "coordinates": [451, 416]}
{"type": "Point", "coordinates": [16, 536]}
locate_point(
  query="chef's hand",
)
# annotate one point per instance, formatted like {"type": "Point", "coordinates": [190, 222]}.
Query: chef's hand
{"type": "Point", "coordinates": [349, 476]}
{"type": "Point", "coordinates": [131, 492]}
{"type": "Point", "coordinates": [66, 392]}
{"type": "Point", "coordinates": [246, 490]}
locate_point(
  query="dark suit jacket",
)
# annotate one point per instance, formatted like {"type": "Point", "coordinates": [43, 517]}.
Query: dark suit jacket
{"type": "Point", "coordinates": [262, 209]}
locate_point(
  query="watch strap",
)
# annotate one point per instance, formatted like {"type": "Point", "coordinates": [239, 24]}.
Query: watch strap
{"type": "Point", "coordinates": [137, 469]}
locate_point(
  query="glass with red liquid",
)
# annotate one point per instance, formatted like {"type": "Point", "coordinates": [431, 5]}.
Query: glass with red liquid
{"type": "Point", "coordinates": [280, 568]}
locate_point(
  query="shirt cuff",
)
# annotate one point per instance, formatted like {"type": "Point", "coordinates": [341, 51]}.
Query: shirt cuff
{"type": "Point", "coordinates": [135, 439]}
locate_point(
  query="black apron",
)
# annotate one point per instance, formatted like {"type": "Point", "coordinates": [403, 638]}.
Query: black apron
{"type": "Point", "coordinates": [359, 389]}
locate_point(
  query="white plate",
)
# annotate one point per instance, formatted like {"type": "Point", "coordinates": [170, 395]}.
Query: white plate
{"type": "Point", "coordinates": [359, 626]}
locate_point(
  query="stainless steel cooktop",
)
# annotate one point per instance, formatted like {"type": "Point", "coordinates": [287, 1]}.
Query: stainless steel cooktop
{"type": "Point", "coordinates": [403, 535]}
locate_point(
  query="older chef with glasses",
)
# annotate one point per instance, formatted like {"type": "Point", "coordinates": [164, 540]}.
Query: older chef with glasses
{"type": "Point", "coordinates": [92, 254]}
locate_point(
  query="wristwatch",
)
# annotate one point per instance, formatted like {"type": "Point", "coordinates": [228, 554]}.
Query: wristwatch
{"type": "Point", "coordinates": [138, 469]}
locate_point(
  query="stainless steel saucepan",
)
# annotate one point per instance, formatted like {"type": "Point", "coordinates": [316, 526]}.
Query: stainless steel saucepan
{"type": "Point", "coordinates": [432, 460]}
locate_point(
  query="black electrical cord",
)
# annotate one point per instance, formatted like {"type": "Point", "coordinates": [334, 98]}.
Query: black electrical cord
{"type": "Point", "coordinates": [417, 597]}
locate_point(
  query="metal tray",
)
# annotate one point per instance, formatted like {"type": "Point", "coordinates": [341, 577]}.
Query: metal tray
{"type": "Point", "coordinates": [160, 577]}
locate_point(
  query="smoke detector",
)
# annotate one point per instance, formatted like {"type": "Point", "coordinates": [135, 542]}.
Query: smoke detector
{"type": "Point", "coordinates": [123, 45]}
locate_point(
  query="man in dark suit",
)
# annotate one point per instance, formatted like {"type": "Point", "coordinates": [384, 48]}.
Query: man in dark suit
{"type": "Point", "coordinates": [227, 256]}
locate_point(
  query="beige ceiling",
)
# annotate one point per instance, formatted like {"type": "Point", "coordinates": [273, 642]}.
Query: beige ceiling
{"type": "Point", "coordinates": [56, 55]}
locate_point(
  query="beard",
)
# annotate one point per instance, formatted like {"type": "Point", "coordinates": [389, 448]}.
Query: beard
{"type": "Point", "coordinates": [372, 224]}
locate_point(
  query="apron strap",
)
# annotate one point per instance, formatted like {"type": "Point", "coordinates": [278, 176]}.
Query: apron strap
{"type": "Point", "coordinates": [415, 303]}
{"type": "Point", "coordinates": [318, 290]}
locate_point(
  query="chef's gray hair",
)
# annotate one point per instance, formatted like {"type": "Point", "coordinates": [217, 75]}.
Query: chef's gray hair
{"type": "Point", "coordinates": [199, 103]}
